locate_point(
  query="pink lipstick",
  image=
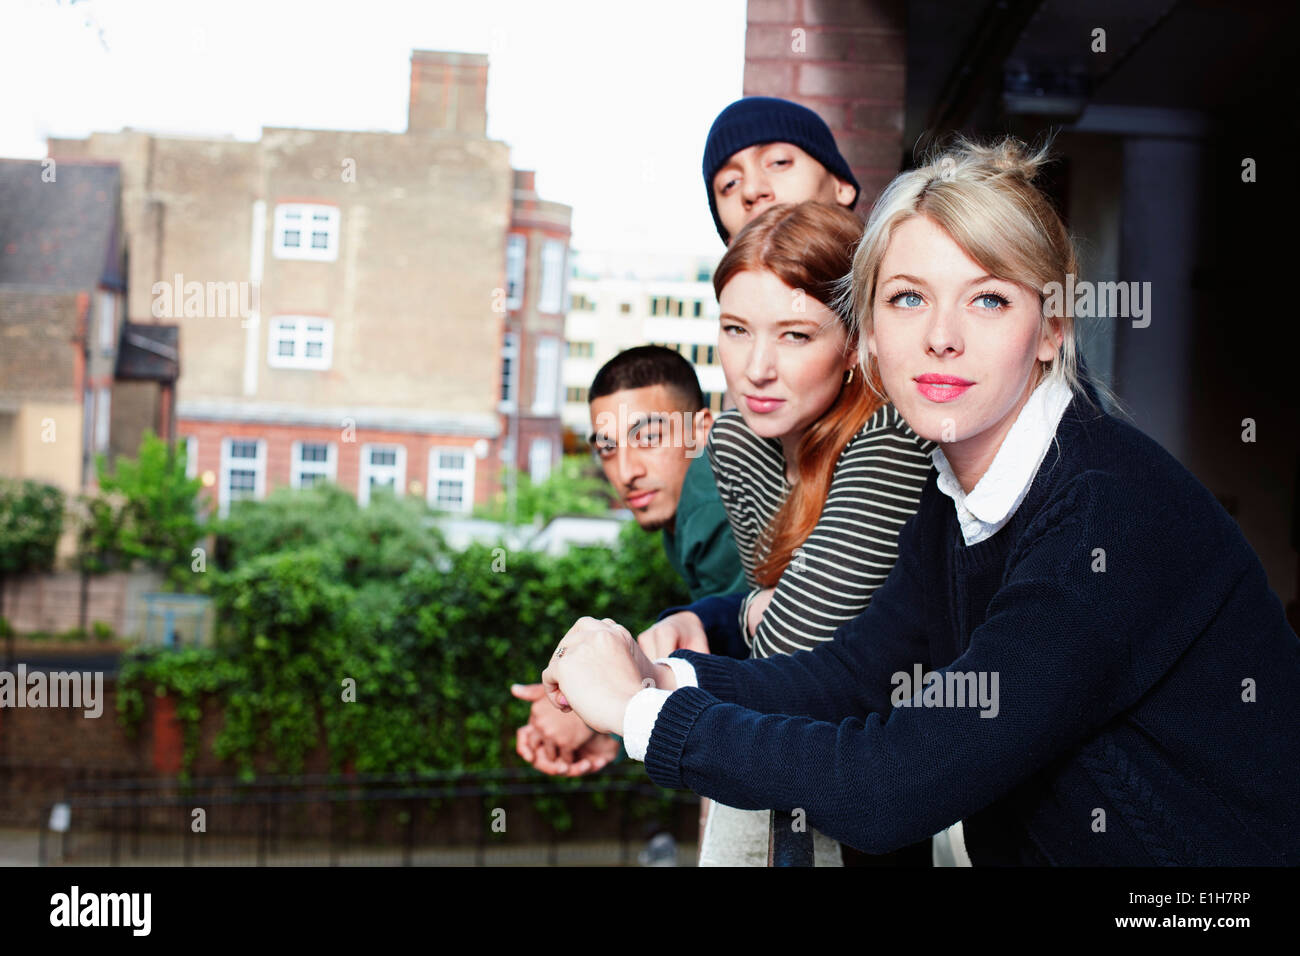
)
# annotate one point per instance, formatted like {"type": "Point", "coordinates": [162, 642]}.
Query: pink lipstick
{"type": "Point", "coordinates": [942, 388]}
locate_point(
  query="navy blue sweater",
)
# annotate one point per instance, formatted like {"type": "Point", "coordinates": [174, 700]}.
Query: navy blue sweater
{"type": "Point", "coordinates": [1147, 713]}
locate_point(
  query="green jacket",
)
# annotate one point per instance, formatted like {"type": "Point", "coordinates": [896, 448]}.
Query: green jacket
{"type": "Point", "coordinates": [699, 546]}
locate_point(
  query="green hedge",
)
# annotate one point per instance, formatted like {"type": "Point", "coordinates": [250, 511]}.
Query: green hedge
{"type": "Point", "coordinates": [312, 591]}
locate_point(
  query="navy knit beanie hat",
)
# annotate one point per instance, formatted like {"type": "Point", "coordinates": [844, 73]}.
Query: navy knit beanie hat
{"type": "Point", "coordinates": [766, 119]}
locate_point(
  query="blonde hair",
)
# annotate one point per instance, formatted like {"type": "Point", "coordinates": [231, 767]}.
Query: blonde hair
{"type": "Point", "coordinates": [984, 197]}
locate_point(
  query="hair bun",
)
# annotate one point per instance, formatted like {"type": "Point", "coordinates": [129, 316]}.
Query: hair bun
{"type": "Point", "coordinates": [1014, 156]}
{"type": "Point", "coordinates": [1007, 156]}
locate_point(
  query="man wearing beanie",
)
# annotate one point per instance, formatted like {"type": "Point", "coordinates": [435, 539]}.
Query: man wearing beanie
{"type": "Point", "coordinates": [761, 151]}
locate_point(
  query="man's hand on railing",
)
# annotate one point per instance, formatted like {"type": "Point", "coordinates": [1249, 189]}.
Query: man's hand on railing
{"type": "Point", "coordinates": [681, 630]}
{"type": "Point", "coordinates": [600, 750]}
{"type": "Point", "coordinates": [596, 753]}
{"type": "Point", "coordinates": [557, 743]}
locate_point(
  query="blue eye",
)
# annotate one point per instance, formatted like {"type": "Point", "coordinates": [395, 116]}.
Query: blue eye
{"type": "Point", "coordinates": [997, 301]}
{"type": "Point", "coordinates": [908, 300]}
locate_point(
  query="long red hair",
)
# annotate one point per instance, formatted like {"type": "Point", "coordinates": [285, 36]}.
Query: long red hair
{"type": "Point", "coordinates": [808, 246]}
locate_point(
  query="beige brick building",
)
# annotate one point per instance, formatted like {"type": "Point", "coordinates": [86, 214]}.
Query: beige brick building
{"type": "Point", "coordinates": [342, 296]}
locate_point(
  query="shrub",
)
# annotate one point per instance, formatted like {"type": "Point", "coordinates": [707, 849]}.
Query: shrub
{"type": "Point", "coordinates": [31, 521]}
{"type": "Point", "coordinates": [577, 487]}
{"type": "Point", "coordinates": [432, 652]}
{"type": "Point", "coordinates": [146, 510]}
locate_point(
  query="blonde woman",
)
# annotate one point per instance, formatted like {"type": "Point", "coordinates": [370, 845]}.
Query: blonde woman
{"type": "Point", "coordinates": [1075, 629]}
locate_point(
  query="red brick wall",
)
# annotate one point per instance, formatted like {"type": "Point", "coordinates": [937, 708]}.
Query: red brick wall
{"type": "Point", "coordinates": [279, 453]}
{"type": "Point", "coordinates": [44, 749]}
{"type": "Point", "coordinates": [531, 428]}
{"type": "Point", "coordinates": [850, 71]}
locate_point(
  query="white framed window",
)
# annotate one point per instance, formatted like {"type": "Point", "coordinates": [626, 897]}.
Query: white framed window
{"type": "Point", "coordinates": [103, 415]}
{"type": "Point", "coordinates": [382, 466]}
{"type": "Point", "coordinates": [539, 459]}
{"type": "Point", "coordinates": [451, 479]}
{"type": "Point", "coordinates": [551, 298]}
{"type": "Point", "coordinates": [191, 456]}
{"type": "Point", "coordinates": [547, 396]}
{"type": "Point", "coordinates": [510, 370]}
{"type": "Point", "coordinates": [516, 258]}
{"type": "Point", "coordinates": [312, 462]}
{"type": "Point", "coordinates": [306, 231]}
{"type": "Point", "coordinates": [243, 471]}
{"type": "Point", "coordinates": [300, 341]}
{"type": "Point", "coordinates": [107, 322]}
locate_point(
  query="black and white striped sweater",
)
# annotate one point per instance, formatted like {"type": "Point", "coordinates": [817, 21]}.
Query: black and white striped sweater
{"type": "Point", "coordinates": [833, 574]}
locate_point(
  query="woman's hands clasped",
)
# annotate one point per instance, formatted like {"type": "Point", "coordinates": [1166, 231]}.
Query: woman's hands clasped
{"type": "Point", "coordinates": [596, 669]}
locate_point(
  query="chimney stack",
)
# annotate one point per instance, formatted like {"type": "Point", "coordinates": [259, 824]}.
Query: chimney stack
{"type": "Point", "coordinates": [448, 93]}
{"type": "Point", "coordinates": [526, 182]}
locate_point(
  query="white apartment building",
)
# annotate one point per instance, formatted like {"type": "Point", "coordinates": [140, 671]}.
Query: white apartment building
{"type": "Point", "coordinates": [620, 301]}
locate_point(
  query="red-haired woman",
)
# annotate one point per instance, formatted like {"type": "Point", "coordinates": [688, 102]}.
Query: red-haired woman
{"type": "Point", "coordinates": [817, 473]}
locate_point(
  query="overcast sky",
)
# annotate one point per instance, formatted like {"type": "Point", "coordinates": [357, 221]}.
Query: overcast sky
{"type": "Point", "coordinates": [608, 101]}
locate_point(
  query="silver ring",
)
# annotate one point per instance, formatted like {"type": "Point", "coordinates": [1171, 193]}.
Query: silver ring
{"type": "Point", "coordinates": [560, 651]}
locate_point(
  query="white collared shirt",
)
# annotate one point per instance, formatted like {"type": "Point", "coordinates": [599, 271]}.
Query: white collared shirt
{"type": "Point", "coordinates": [1002, 488]}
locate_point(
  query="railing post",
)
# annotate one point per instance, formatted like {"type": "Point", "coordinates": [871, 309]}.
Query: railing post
{"type": "Point", "coordinates": [407, 852]}
{"type": "Point", "coordinates": [261, 834]}
{"type": "Point", "coordinates": [787, 846]}
{"type": "Point", "coordinates": [624, 850]}
{"type": "Point", "coordinates": [334, 858]}
{"type": "Point", "coordinates": [117, 830]}
{"type": "Point", "coordinates": [484, 815]}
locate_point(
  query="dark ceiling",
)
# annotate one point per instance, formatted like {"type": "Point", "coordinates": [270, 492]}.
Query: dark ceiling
{"type": "Point", "coordinates": [972, 65]}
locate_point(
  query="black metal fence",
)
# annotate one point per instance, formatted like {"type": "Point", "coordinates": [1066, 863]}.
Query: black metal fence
{"type": "Point", "coordinates": [498, 817]}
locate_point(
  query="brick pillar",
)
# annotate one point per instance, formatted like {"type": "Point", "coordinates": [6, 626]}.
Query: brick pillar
{"type": "Point", "coordinates": [168, 745]}
{"type": "Point", "coordinates": [845, 59]}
